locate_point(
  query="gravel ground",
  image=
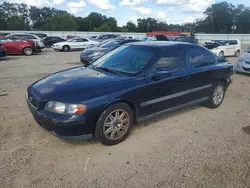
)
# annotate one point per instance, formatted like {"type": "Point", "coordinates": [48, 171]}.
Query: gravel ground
{"type": "Point", "coordinates": [194, 147]}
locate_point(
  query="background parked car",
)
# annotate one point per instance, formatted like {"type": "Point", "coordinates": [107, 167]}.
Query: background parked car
{"type": "Point", "coordinates": [91, 54]}
{"type": "Point", "coordinates": [183, 39]}
{"type": "Point", "coordinates": [36, 39]}
{"type": "Point", "coordinates": [73, 44]}
{"type": "Point", "coordinates": [3, 52]}
{"type": "Point", "coordinates": [93, 37]}
{"type": "Point", "coordinates": [41, 35]}
{"type": "Point", "coordinates": [49, 41]}
{"type": "Point", "coordinates": [243, 63]}
{"type": "Point", "coordinates": [15, 45]}
{"type": "Point", "coordinates": [71, 37]}
{"type": "Point", "coordinates": [106, 36]}
{"type": "Point", "coordinates": [225, 47]}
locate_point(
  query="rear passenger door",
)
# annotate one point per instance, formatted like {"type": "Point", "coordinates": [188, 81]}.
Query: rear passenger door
{"type": "Point", "coordinates": [202, 66]}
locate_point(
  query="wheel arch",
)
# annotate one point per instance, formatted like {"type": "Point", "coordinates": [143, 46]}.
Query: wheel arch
{"type": "Point", "coordinates": [133, 107]}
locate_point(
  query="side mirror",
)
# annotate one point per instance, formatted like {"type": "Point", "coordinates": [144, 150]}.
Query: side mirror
{"type": "Point", "coordinates": [160, 74]}
{"type": "Point", "coordinates": [86, 63]}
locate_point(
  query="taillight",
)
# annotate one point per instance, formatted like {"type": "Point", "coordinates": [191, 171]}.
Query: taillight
{"type": "Point", "coordinates": [1, 47]}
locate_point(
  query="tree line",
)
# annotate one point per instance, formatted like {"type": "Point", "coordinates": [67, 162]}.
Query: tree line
{"type": "Point", "coordinates": [220, 17]}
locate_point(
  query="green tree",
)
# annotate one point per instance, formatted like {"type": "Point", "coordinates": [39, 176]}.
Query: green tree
{"type": "Point", "coordinates": [103, 28]}
{"type": "Point", "coordinates": [63, 22]}
{"type": "Point", "coordinates": [131, 27]}
{"type": "Point", "coordinates": [112, 23]}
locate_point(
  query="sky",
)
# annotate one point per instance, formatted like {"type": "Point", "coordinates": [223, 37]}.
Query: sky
{"type": "Point", "coordinates": [170, 11]}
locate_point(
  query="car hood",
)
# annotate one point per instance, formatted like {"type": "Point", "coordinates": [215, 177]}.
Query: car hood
{"type": "Point", "coordinates": [78, 84]}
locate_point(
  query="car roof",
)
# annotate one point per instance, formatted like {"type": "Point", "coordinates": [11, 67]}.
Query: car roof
{"type": "Point", "coordinates": [162, 44]}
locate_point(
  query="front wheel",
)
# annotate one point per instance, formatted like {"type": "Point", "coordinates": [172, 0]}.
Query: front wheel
{"type": "Point", "coordinates": [217, 96]}
{"type": "Point", "coordinates": [114, 124]}
{"type": "Point", "coordinates": [66, 48]}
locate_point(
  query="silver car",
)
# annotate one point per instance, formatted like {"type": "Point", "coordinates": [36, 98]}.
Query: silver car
{"type": "Point", "coordinates": [36, 39]}
{"type": "Point", "coordinates": [243, 63]}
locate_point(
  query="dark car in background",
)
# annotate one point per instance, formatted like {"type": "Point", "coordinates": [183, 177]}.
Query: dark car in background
{"type": "Point", "coordinates": [91, 54]}
{"type": "Point", "coordinates": [49, 41]}
{"type": "Point", "coordinates": [3, 52]}
{"type": "Point", "coordinates": [15, 45]}
{"type": "Point", "coordinates": [184, 39]}
{"type": "Point", "coordinates": [131, 84]}
{"type": "Point", "coordinates": [103, 37]}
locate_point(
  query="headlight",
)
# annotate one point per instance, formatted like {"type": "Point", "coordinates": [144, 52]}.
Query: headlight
{"type": "Point", "coordinates": [67, 109]}
{"type": "Point", "coordinates": [241, 60]}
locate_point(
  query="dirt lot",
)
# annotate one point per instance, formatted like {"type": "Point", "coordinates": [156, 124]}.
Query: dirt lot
{"type": "Point", "coordinates": [194, 147]}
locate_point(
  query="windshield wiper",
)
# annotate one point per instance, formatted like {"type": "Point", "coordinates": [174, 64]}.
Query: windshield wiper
{"type": "Point", "coordinates": [108, 70]}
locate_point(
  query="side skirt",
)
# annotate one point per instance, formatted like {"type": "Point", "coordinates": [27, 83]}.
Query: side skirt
{"type": "Point", "coordinates": [199, 101]}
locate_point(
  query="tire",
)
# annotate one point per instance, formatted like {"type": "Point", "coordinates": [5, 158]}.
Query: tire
{"type": "Point", "coordinates": [221, 54]}
{"type": "Point", "coordinates": [66, 48]}
{"type": "Point", "coordinates": [104, 133]}
{"type": "Point", "coordinates": [237, 53]}
{"type": "Point", "coordinates": [28, 51]}
{"type": "Point", "coordinates": [215, 98]}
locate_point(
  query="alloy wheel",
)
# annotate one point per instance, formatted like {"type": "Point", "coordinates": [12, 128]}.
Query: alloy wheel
{"type": "Point", "coordinates": [218, 94]}
{"type": "Point", "coordinates": [116, 124]}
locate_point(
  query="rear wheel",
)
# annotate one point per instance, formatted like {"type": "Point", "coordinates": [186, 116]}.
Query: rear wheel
{"type": "Point", "coordinates": [114, 124]}
{"type": "Point", "coordinates": [221, 54]}
{"type": "Point", "coordinates": [217, 95]}
{"type": "Point", "coordinates": [66, 48]}
{"type": "Point", "coordinates": [28, 51]}
{"type": "Point", "coordinates": [237, 53]}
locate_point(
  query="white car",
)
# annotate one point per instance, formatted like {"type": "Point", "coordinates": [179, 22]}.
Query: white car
{"type": "Point", "coordinates": [28, 36]}
{"type": "Point", "coordinates": [224, 47]}
{"type": "Point", "coordinates": [243, 63]}
{"type": "Point", "coordinates": [75, 43]}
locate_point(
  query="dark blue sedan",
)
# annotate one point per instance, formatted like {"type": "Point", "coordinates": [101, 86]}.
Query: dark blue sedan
{"type": "Point", "coordinates": [91, 54]}
{"type": "Point", "coordinates": [130, 84]}
{"type": "Point", "coordinates": [3, 52]}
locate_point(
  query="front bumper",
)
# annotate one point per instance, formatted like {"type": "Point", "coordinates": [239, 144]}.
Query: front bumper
{"type": "Point", "coordinates": [242, 67]}
{"type": "Point", "coordinates": [70, 128]}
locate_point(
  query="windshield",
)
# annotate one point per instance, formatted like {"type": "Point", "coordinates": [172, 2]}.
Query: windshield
{"type": "Point", "coordinates": [129, 59]}
{"type": "Point", "coordinates": [111, 44]}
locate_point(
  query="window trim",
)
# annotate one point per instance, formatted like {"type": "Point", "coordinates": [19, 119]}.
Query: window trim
{"type": "Point", "coordinates": [199, 48]}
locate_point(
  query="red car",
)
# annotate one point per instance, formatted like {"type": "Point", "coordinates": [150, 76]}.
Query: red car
{"type": "Point", "coordinates": [15, 45]}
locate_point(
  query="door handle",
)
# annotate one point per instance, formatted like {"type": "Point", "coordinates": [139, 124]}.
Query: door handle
{"type": "Point", "coordinates": [185, 78]}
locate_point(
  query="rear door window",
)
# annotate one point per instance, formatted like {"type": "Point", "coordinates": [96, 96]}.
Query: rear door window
{"type": "Point", "coordinates": [173, 60]}
{"type": "Point", "coordinates": [199, 57]}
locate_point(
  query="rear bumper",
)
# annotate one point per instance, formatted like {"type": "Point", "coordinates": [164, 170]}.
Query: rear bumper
{"type": "Point", "coordinates": [70, 128]}
{"type": "Point", "coordinates": [3, 53]}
